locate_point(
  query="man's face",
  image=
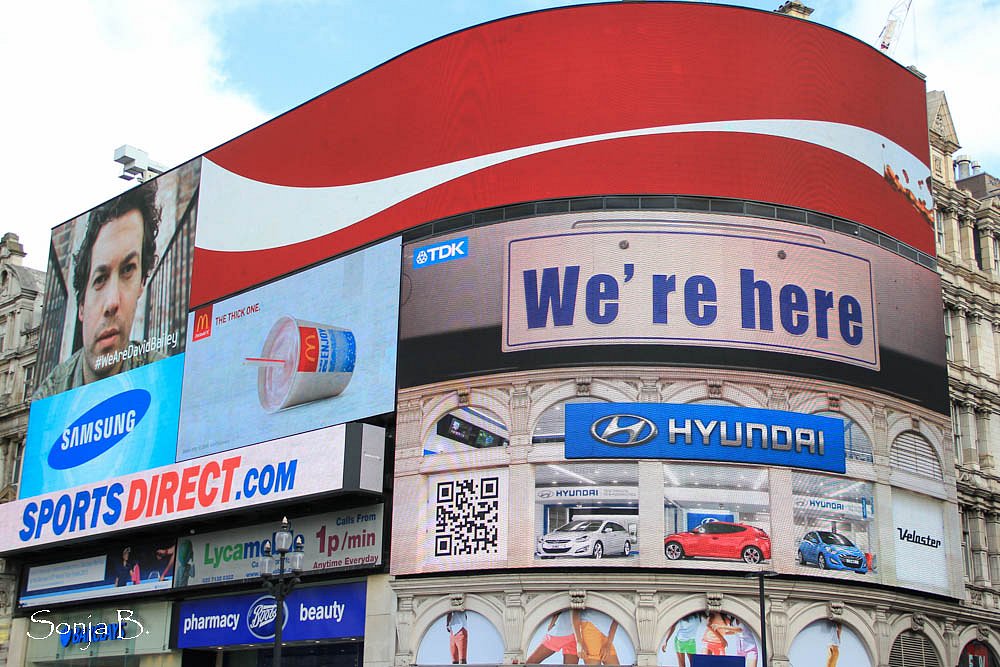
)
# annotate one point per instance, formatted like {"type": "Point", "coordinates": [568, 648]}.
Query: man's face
{"type": "Point", "coordinates": [112, 290]}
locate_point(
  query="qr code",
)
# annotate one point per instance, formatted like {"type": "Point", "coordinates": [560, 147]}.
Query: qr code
{"type": "Point", "coordinates": [467, 517]}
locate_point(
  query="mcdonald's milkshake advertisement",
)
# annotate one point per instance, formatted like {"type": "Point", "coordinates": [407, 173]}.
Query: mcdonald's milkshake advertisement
{"type": "Point", "coordinates": [312, 349]}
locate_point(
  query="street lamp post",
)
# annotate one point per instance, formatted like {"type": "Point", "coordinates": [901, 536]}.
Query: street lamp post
{"type": "Point", "coordinates": [280, 584]}
{"type": "Point", "coordinates": [761, 599]}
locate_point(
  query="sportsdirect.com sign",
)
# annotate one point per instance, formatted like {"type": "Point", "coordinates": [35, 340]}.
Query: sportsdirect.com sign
{"type": "Point", "coordinates": [325, 612]}
{"type": "Point", "coordinates": [689, 288]}
{"type": "Point", "coordinates": [704, 433]}
{"type": "Point", "coordinates": [296, 466]}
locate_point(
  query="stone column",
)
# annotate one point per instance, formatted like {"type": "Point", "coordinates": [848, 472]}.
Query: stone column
{"type": "Point", "coordinates": [777, 630]}
{"type": "Point", "coordinates": [960, 336]}
{"type": "Point", "coordinates": [983, 433]}
{"type": "Point", "coordinates": [973, 319]}
{"type": "Point", "coordinates": [645, 621]}
{"type": "Point", "coordinates": [5, 447]}
{"type": "Point", "coordinates": [966, 229]}
{"type": "Point", "coordinates": [989, 253]}
{"type": "Point", "coordinates": [882, 635]}
{"type": "Point", "coordinates": [652, 525]}
{"type": "Point", "coordinates": [967, 421]}
{"type": "Point", "coordinates": [951, 245]}
{"type": "Point", "coordinates": [977, 539]}
{"type": "Point", "coordinates": [404, 623]}
{"type": "Point", "coordinates": [993, 544]}
{"type": "Point", "coordinates": [513, 626]}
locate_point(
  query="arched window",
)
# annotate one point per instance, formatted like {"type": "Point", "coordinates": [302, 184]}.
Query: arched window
{"type": "Point", "coordinates": [551, 426]}
{"type": "Point", "coordinates": [856, 442]}
{"type": "Point", "coordinates": [913, 649]}
{"type": "Point", "coordinates": [467, 429]}
{"type": "Point", "coordinates": [912, 453]}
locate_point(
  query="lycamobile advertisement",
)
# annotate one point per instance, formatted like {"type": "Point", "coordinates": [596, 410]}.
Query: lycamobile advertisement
{"type": "Point", "coordinates": [312, 349]}
{"type": "Point", "coordinates": [326, 460]}
{"type": "Point", "coordinates": [338, 540]}
{"type": "Point", "coordinates": [704, 432]}
{"type": "Point", "coordinates": [323, 612]}
{"type": "Point", "coordinates": [123, 424]}
{"type": "Point", "coordinates": [123, 568]}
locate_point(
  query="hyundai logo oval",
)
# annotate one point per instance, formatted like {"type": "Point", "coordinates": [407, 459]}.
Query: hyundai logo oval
{"type": "Point", "coordinates": [623, 430]}
{"type": "Point", "coordinates": [99, 429]}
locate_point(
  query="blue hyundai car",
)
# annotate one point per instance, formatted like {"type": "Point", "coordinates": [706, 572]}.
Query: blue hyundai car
{"type": "Point", "coordinates": [831, 551]}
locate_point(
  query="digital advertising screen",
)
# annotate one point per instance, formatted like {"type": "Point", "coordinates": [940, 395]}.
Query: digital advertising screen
{"type": "Point", "coordinates": [310, 350]}
{"type": "Point", "coordinates": [671, 288]}
{"type": "Point", "coordinates": [700, 487]}
{"type": "Point", "coordinates": [762, 131]}
{"type": "Point", "coordinates": [112, 338]}
{"type": "Point", "coordinates": [121, 277]}
{"type": "Point", "coordinates": [322, 461]}
{"type": "Point", "coordinates": [122, 568]}
{"type": "Point", "coordinates": [343, 540]}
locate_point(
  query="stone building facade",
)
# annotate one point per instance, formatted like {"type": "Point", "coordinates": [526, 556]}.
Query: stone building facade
{"type": "Point", "coordinates": [21, 294]}
{"type": "Point", "coordinates": [896, 444]}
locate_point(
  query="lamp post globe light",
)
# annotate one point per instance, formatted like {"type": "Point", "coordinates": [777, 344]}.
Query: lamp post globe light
{"type": "Point", "coordinates": [280, 581]}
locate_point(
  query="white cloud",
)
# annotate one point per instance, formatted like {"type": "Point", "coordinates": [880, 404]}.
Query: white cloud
{"type": "Point", "coordinates": [80, 79]}
{"type": "Point", "coordinates": [955, 45]}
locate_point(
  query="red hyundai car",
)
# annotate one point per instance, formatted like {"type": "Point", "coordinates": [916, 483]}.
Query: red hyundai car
{"type": "Point", "coordinates": [719, 539]}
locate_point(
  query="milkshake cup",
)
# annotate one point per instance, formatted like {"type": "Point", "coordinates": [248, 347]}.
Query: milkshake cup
{"type": "Point", "coordinates": [302, 362]}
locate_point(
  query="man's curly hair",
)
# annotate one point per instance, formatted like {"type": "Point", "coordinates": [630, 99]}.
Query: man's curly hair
{"type": "Point", "coordinates": [142, 199]}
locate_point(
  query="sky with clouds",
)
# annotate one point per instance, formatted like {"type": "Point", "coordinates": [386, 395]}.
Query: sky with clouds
{"type": "Point", "coordinates": [178, 78]}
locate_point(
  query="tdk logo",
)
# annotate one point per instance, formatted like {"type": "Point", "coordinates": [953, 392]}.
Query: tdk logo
{"type": "Point", "coordinates": [441, 252]}
{"type": "Point", "coordinates": [99, 429]}
{"type": "Point", "coordinates": [623, 430]}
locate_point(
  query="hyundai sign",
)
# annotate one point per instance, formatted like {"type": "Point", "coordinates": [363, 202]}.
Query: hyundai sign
{"type": "Point", "coordinates": [704, 433]}
{"type": "Point", "coordinates": [323, 612]}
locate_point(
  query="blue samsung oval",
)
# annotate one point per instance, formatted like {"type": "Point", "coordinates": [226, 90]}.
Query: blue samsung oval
{"type": "Point", "coordinates": [99, 429]}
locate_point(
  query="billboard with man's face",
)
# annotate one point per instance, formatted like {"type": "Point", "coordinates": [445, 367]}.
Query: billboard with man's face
{"type": "Point", "coordinates": [114, 322]}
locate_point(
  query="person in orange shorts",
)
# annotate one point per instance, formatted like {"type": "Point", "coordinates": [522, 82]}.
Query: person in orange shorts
{"type": "Point", "coordinates": [458, 637]}
{"type": "Point", "coordinates": [596, 635]}
{"type": "Point", "coordinates": [559, 637]}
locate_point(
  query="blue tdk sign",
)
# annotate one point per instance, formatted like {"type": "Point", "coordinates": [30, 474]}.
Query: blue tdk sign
{"type": "Point", "coordinates": [704, 433]}
{"type": "Point", "coordinates": [445, 251]}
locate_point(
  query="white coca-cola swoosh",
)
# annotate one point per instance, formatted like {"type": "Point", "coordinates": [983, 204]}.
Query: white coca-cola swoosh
{"type": "Point", "coordinates": [282, 215]}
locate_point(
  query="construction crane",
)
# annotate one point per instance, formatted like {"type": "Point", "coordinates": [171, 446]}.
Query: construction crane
{"type": "Point", "coordinates": [897, 15]}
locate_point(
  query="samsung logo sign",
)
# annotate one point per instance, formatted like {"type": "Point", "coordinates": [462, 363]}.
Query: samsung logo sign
{"type": "Point", "coordinates": [99, 429]}
{"type": "Point", "coordinates": [445, 251]}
